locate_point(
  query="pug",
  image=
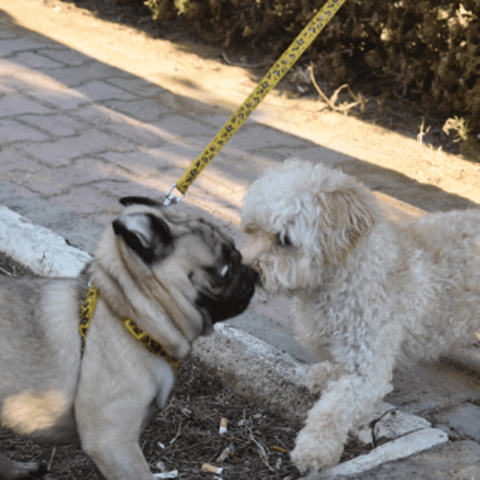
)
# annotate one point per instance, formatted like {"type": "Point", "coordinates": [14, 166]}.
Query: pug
{"type": "Point", "coordinates": [158, 274]}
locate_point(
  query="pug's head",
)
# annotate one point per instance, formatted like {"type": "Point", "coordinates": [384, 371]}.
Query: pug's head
{"type": "Point", "coordinates": [178, 274]}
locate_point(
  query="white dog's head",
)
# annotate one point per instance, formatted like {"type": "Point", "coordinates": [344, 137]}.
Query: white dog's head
{"type": "Point", "coordinates": [302, 220]}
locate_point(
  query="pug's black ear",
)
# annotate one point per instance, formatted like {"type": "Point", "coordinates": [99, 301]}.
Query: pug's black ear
{"type": "Point", "coordinates": [149, 202]}
{"type": "Point", "coordinates": [147, 235]}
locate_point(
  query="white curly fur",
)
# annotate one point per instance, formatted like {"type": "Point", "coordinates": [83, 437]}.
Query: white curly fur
{"type": "Point", "coordinates": [367, 293]}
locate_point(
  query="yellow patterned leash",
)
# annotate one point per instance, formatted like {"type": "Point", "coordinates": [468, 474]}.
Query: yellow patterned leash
{"type": "Point", "coordinates": [268, 82]}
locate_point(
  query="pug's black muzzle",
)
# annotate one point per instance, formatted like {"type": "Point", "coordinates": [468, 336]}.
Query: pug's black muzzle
{"type": "Point", "coordinates": [233, 298]}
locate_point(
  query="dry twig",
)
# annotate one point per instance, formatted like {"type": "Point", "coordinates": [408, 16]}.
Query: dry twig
{"type": "Point", "coordinates": [344, 108]}
{"type": "Point", "coordinates": [262, 452]}
{"type": "Point", "coordinates": [244, 65]}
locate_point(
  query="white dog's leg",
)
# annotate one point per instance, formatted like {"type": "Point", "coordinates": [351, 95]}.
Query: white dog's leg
{"type": "Point", "coordinates": [319, 374]}
{"type": "Point", "coordinates": [342, 406]}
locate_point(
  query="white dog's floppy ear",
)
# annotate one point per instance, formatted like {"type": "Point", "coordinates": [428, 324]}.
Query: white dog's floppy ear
{"type": "Point", "coordinates": [147, 235]}
{"type": "Point", "coordinates": [348, 214]}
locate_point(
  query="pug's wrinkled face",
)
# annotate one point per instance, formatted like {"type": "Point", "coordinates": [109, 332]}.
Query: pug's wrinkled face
{"type": "Point", "coordinates": [190, 258]}
{"type": "Point", "coordinates": [230, 287]}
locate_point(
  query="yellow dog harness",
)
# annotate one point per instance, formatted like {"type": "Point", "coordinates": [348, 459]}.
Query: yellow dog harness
{"type": "Point", "coordinates": [86, 314]}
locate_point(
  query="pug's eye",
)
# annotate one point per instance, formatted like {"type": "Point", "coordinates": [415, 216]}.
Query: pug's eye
{"type": "Point", "coordinates": [283, 240]}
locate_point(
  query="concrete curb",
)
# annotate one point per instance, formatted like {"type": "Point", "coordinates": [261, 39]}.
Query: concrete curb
{"type": "Point", "coordinates": [257, 370]}
{"type": "Point", "coordinates": [252, 367]}
{"type": "Point", "coordinates": [43, 251]}
{"type": "Point", "coordinates": [395, 450]}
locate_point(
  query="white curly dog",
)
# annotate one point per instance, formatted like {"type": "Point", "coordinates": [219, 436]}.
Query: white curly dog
{"type": "Point", "coordinates": [367, 292]}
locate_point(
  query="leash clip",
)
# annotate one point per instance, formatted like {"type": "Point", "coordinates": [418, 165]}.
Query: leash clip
{"type": "Point", "coordinates": [171, 199]}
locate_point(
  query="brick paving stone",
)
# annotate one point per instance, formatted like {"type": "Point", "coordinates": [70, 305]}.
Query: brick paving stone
{"type": "Point", "coordinates": [229, 179]}
{"type": "Point", "coordinates": [66, 56]}
{"type": "Point", "coordinates": [241, 169]}
{"type": "Point", "coordinates": [10, 160]}
{"type": "Point", "coordinates": [11, 45]}
{"type": "Point", "coordinates": [35, 60]}
{"type": "Point", "coordinates": [61, 152]}
{"type": "Point", "coordinates": [96, 114]}
{"type": "Point", "coordinates": [147, 110]}
{"type": "Point", "coordinates": [24, 193]}
{"type": "Point", "coordinates": [225, 207]}
{"type": "Point", "coordinates": [12, 131]}
{"type": "Point", "coordinates": [216, 120]}
{"type": "Point", "coordinates": [74, 175]}
{"type": "Point", "coordinates": [24, 80]}
{"type": "Point", "coordinates": [19, 176]}
{"type": "Point", "coordinates": [5, 89]}
{"type": "Point", "coordinates": [106, 219]}
{"type": "Point", "coordinates": [140, 162]}
{"type": "Point", "coordinates": [464, 419]}
{"type": "Point", "coordinates": [253, 165]}
{"type": "Point", "coordinates": [255, 137]}
{"type": "Point", "coordinates": [85, 200]}
{"type": "Point", "coordinates": [185, 127]}
{"type": "Point", "coordinates": [328, 156]}
{"type": "Point", "coordinates": [217, 183]}
{"type": "Point", "coordinates": [200, 142]}
{"type": "Point", "coordinates": [40, 182]}
{"type": "Point", "coordinates": [98, 90]}
{"type": "Point", "coordinates": [102, 169]}
{"type": "Point", "coordinates": [142, 134]}
{"type": "Point", "coordinates": [78, 75]}
{"type": "Point", "coordinates": [56, 124]}
{"type": "Point", "coordinates": [136, 85]}
{"type": "Point", "coordinates": [62, 98]}
{"type": "Point", "coordinates": [16, 105]}
{"type": "Point", "coordinates": [6, 34]}
{"type": "Point", "coordinates": [174, 153]}
{"type": "Point", "coordinates": [9, 67]}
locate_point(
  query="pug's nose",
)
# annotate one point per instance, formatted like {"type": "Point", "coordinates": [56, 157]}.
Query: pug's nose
{"type": "Point", "coordinates": [253, 275]}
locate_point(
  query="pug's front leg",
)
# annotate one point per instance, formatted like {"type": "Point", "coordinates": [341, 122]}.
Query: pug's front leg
{"type": "Point", "coordinates": [118, 464]}
{"type": "Point", "coordinates": [117, 457]}
{"type": "Point", "coordinates": [109, 433]}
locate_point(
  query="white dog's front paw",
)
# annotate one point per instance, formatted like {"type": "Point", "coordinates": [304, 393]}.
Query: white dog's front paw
{"type": "Point", "coordinates": [312, 453]}
{"type": "Point", "coordinates": [318, 376]}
